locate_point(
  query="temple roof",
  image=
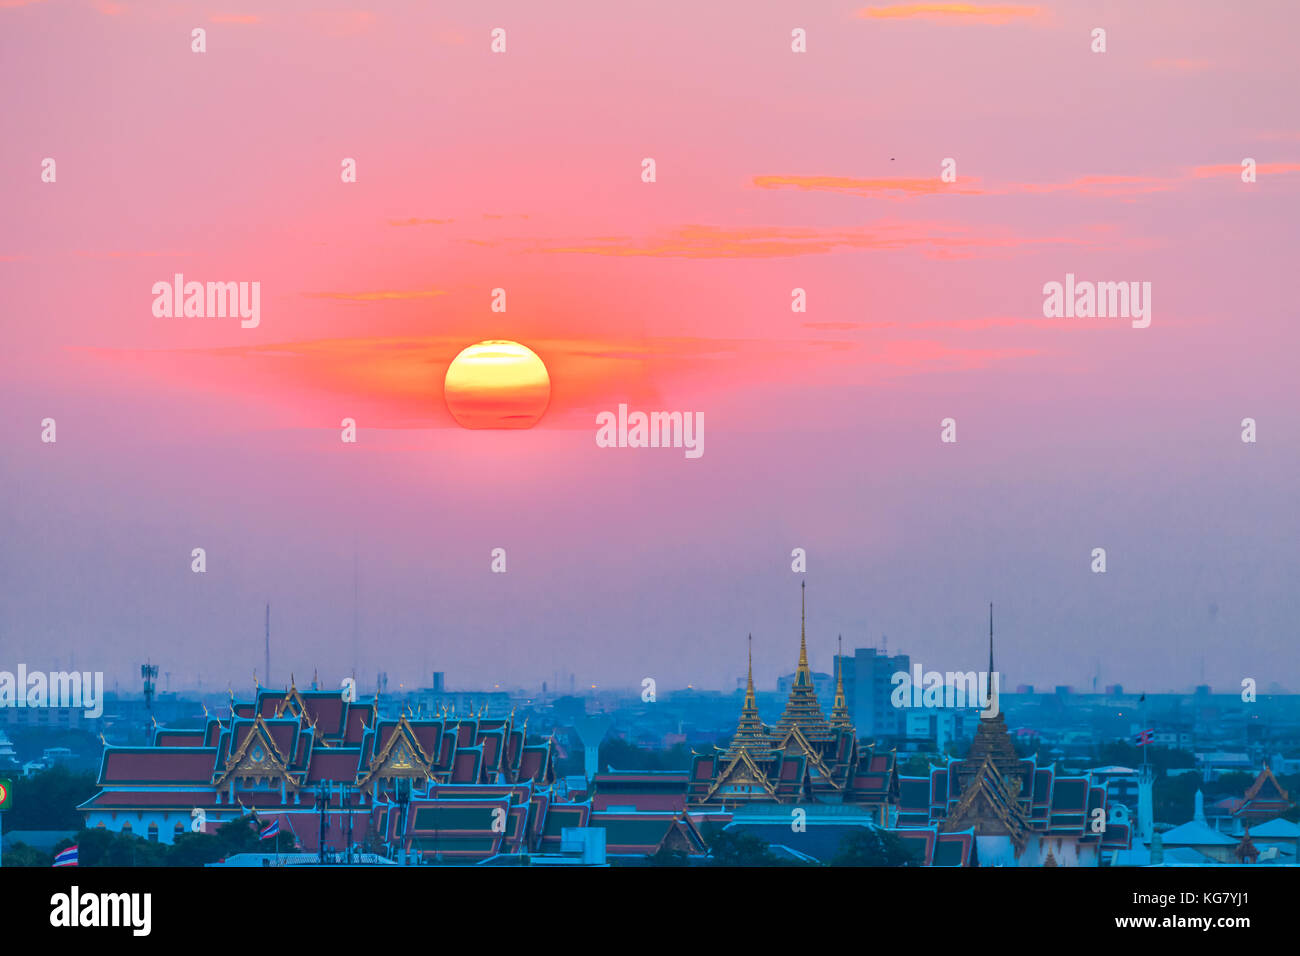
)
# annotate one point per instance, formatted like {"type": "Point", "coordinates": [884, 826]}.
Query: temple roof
{"type": "Point", "coordinates": [750, 734]}
{"type": "Point", "coordinates": [1264, 800]}
{"type": "Point", "coordinates": [840, 718]}
{"type": "Point", "coordinates": [989, 804]}
{"type": "Point", "coordinates": [803, 709]}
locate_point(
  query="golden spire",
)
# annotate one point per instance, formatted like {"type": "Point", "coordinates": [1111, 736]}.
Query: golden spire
{"type": "Point", "coordinates": [802, 709]}
{"type": "Point", "coordinates": [749, 677]}
{"type": "Point", "coordinates": [750, 732]}
{"type": "Point", "coordinates": [803, 619]}
{"type": "Point", "coordinates": [840, 718]}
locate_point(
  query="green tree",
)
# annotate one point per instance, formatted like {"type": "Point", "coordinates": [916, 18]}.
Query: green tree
{"type": "Point", "coordinates": [103, 847]}
{"type": "Point", "coordinates": [1174, 798]}
{"type": "Point", "coordinates": [870, 846]}
{"type": "Point", "coordinates": [196, 849]}
{"type": "Point", "coordinates": [737, 848]}
{"type": "Point", "coordinates": [92, 846]}
{"type": "Point", "coordinates": [917, 765]}
{"type": "Point", "coordinates": [20, 854]}
{"type": "Point", "coordinates": [48, 800]}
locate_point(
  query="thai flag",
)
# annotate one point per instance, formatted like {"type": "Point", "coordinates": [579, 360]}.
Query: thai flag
{"type": "Point", "coordinates": [1144, 738]}
{"type": "Point", "coordinates": [270, 830]}
{"type": "Point", "coordinates": [66, 857]}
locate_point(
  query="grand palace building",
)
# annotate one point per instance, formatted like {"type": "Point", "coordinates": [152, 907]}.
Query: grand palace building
{"type": "Point", "coordinates": [472, 789]}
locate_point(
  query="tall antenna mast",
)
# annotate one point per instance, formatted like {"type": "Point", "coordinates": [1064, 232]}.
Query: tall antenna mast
{"type": "Point", "coordinates": [356, 590]}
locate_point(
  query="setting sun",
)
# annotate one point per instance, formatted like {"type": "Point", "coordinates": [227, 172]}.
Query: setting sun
{"type": "Point", "coordinates": [497, 384]}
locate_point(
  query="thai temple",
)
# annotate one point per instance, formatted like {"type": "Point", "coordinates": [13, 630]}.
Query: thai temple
{"type": "Point", "coordinates": [991, 808]}
{"type": "Point", "coordinates": [804, 758]}
{"type": "Point", "coordinates": [315, 762]}
{"type": "Point", "coordinates": [473, 790]}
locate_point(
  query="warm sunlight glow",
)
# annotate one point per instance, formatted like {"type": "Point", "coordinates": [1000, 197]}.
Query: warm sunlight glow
{"type": "Point", "coordinates": [497, 384]}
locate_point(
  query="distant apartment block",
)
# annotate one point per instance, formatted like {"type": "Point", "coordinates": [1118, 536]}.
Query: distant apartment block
{"type": "Point", "coordinates": [868, 685]}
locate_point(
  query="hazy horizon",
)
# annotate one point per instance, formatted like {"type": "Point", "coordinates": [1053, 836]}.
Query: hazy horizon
{"type": "Point", "coordinates": [776, 171]}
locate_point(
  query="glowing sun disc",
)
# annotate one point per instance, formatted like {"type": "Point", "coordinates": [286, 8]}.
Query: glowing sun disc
{"type": "Point", "coordinates": [497, 384]}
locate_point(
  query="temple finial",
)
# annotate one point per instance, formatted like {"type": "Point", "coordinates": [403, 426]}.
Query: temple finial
{"type": "Point", "coordinates": [803, 624]}
{"type": "Point", "coordinates": [750, 732]}
{"type": "Point", "coordinates": [839, 664]}
{"type": "Point", "coordinates": [749, 684]}
{"type": "Point", "coordinates": [840, 717]}
{"type": "Point", "coordinates": [990, 640]}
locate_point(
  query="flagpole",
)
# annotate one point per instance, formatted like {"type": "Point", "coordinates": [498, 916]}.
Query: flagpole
{"type": "Point", "coordinates": [1144, 729]}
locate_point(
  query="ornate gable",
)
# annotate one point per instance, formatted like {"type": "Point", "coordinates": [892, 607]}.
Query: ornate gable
{"type": "Point", "coordinates": [988, 805]}
{"type": "Point", "coordinates": [741, 780]}
{"type": "Point", "coordinates": [401, 756]}
{"type": "Point", "coordinates": [795, 743]}
{"type": "Point", "coordinates": [1266, 787]}
{"type": "Point", "coordinates": [258, 758]}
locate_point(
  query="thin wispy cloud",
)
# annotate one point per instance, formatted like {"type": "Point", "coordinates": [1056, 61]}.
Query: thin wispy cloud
{"type": "Point", "coordinates": [935, 240]}
{"type": "Point", "coordinates": [1234, 170]}
{"type": "Point", "coordinates": [378, 295]}
{"type": "Point", "coordinates": [951, 12]}
{"type": "Point", "coordinates": [1099, 186]}
{"type": "Point", "coordinates": [876, 188]}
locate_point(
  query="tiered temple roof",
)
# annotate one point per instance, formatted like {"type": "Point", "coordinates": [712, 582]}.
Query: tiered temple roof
{"type": "Point", "coordinates": [993, 792]}
{"type": "Point", "coordinates": [804, 758]}
{"type": "Point", "coordinates": [802, 709]}
{"type": "Point", "coordinates": [273, 755]}
{"type": "Point", "coordinates": [840, 717]}
{"type": "Point", "coordinates": [1264, 800]}
{"type": "Point", "coordinates": [751, 734]}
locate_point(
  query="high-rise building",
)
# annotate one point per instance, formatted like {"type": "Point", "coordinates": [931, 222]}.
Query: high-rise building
{"type": "Point", "coordinates": [868, 684]}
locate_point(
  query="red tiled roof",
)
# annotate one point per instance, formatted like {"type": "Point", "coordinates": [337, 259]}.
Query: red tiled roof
{"type": "Point", "coordinates": [157, 765]}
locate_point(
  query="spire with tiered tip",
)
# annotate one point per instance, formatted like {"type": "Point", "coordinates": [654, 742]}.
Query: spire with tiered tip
{"type": "Point", "coordinates": [802, 708]}
{"type": "Point", "coordinates": [750, 732]}
{"type": "Point", "coordinates": [992, 740]}
{"type": "Point", "coordinates": [840, 718]}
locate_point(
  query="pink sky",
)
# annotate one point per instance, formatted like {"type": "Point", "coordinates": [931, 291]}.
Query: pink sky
{"type": "Point", "coordinates": [775, 170]}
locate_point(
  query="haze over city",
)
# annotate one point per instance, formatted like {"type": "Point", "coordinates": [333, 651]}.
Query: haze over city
{"type": "Point", "coordinates": [774, 173]}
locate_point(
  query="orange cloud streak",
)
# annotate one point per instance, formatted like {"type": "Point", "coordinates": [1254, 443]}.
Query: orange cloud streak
{"type": "Point", "coordinates": [398, 382]}
{"type": "Point", "coordinates": [381, 295]}
{"type": "Point", "coordinates": [935, 240]}
{"type": "Point", "coordinates": [887, 188]}
{"type": "Point", "coordinates": [949, 12]}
